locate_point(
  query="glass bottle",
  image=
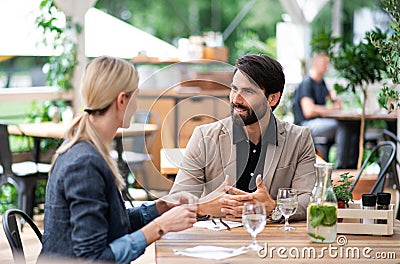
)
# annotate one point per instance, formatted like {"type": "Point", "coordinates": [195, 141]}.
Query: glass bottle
{"type": "Point", "coordinates": [322, 209]}
{"type": "Point", "coordinates": [382, 203]}
{"type": "Point", "coordinates": [368, 203]}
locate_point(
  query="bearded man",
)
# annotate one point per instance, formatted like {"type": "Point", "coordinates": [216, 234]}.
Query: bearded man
{"type": "Point", "coordinates": [251, 154]}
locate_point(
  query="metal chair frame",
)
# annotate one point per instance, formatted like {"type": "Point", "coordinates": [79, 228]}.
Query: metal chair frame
{"type": "Point", "coordinates": [25, 183]}
{"type": "Point", "coordinates": [388, 135]}
{"type": "Point", "coordinates": [385, 163]}
{"type": "Point", "coordinates": [12, 232]}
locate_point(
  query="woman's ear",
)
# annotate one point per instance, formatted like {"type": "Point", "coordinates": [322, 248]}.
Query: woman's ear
{"type": "Point", "coordinates": [121, 100]}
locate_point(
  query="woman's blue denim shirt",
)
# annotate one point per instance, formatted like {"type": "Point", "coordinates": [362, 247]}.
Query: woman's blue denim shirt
{"type": "Point", "coordinates": [85, 215]}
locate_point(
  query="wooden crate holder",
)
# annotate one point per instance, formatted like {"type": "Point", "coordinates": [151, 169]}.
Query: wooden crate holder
{"type": "Point", "coordinates": [352, 221]}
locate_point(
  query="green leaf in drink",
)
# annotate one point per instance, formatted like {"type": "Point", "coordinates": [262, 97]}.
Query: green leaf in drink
{"type": "Point", "coordinates": [316, 236]}
{"type": "Point", "coordinates": [323, 215]}
{"type": "Point", "coordinates": [317, 219]}
{"type": "Point", "coordinates": [330, 216]}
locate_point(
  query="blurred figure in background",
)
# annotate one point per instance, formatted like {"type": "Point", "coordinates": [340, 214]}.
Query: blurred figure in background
{"type": "Point", "coordinates": [310, 108]}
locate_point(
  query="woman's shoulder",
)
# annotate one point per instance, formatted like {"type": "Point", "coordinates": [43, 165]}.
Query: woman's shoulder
{"type": "Point", "coordinates": [80, 156]}
{"type": "Point", "coordinates": [81, 146]}
{"type": "Point", "coordinates": [82, 150]}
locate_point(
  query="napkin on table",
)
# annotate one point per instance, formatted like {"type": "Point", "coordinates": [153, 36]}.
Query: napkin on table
{"type": "Point", "coordinates": [211, 252]}
{"type": "Point", "coordinates": [218, 225]}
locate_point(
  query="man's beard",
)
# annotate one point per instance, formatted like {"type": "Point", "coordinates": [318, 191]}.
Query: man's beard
{"type": "Point", "coordinates": [249, 118]}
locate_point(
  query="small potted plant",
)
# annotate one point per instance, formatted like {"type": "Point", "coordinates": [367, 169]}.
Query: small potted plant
{"type": "Point", "coordinates": [341, 189]}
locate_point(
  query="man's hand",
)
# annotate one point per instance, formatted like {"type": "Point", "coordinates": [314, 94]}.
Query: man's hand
{"type": "Point", "coordinates": [232, 205]}
{"type": "Point", "coordinates": [337, 104]}
{"type": "Point", "coordinates": [213, 207]}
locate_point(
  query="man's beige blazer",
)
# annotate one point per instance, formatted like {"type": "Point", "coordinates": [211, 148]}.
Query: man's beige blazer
{"type": "Point", "coordinates": [210, 155]}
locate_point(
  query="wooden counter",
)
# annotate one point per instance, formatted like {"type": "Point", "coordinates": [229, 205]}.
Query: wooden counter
{"type": "Point", "coordinates": [181, 112]}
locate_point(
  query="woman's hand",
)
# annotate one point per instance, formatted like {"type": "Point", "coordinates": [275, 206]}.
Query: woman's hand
{"type": "Point", "coordinates": [178, 218]}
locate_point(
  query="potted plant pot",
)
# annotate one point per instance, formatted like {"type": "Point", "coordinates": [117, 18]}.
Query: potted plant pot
{"type": "Point", "coordinates": [341, 205]}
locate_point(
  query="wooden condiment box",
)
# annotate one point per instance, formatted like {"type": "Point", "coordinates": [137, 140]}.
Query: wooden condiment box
{"type": "Point", "coordinates": [352, 220]}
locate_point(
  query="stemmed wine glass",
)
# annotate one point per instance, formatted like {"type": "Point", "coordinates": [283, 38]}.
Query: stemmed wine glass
{"type": "Point", "coordinates": [287, 203]}
{"type": "Point", "coordinates": [254, 219]}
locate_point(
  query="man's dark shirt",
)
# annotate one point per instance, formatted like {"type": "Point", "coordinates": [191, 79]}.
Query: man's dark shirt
{"type": "Point", "coordinates": [250, 157]}
{"type": "Point", "coordinates": [308, 88]}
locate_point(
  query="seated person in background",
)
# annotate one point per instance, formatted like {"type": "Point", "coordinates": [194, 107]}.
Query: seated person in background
{"type": "Point", "coordinates": [85, 216]}
{"type": "Point", "coordinates": [250, 149]}
{"type": "Point", "coordinates": [310, 107]}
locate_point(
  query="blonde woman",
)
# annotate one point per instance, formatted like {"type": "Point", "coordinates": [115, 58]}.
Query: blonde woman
{"type": "Point", "coordinates": [85, 216]}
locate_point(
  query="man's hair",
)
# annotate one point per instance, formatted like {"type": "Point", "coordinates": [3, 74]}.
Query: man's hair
{"type": "Point", "coordinates": [264, 71]}
{"type": "Point", "coordinates": [318, 55]}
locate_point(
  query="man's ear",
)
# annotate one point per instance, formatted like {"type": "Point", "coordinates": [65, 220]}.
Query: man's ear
{"type": "Point", "coordinates": [273, 99]}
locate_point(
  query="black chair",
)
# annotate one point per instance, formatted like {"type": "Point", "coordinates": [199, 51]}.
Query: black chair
{"type": "Point", "coordinates": [388, 135]}
{"type": "Point", "coordinates": [12, 233]}
{"type": "Point", "coordinates": [322, 146]}
{"type": "Point", "coordinates": [135, 154]}
{"type": "Point", "coordinates": [23, 175]}
{"type": "Point", "coordinates": [386, 151]}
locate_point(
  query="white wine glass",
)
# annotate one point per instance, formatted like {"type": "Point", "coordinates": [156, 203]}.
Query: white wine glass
{"type": "Point", "coordinates": [287, 203]}
{"type": "Point", "coordinates": [254, 219]}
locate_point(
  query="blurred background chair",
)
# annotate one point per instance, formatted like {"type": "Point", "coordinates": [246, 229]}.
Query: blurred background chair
{"type": "Point", "coordinates": [388, 135]}
{"type": "Point", "coordinates": [135, 155]}
{"type": "Point", "coordinates": [23, 175]}
{"type": "Point", "coordinates": [322, 146]}
{"type": "Point", "coordinates": [386, 151]}
{"type": "Point", "coordinates": [12, 232]}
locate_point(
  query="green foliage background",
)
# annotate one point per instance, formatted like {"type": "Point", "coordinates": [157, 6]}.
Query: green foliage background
{"type": "Point", "coordinates": [173, 19]}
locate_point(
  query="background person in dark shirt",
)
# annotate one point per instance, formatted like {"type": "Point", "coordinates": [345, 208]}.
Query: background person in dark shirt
{"type": "Point", "coordinates": [310, 107]}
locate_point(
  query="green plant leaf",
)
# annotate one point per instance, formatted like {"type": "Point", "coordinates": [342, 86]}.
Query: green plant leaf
{"type": "Point", "coordinates": [342, 188]}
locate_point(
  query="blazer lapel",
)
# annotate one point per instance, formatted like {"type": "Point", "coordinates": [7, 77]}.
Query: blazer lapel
{"type": "Point", "coordinates": [228, 153]}
{"type": "Point", "coordinates": [273, 155]}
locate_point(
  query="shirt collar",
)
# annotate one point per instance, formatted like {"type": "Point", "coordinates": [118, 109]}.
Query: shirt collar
{"type": "Point", "coordinates": [270, 135]}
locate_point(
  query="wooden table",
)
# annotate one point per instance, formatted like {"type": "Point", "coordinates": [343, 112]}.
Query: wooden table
{"type": "Point", "coordinates": [43, 130]}
{"type": "Point", "coordinates": [292, 241]}
{"type": "Point", "coordinates": [355, 116]}
{"type": "Point", "coordinates": [57, 130]}
{"type": "Point", "coordinates": [170, 158]}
